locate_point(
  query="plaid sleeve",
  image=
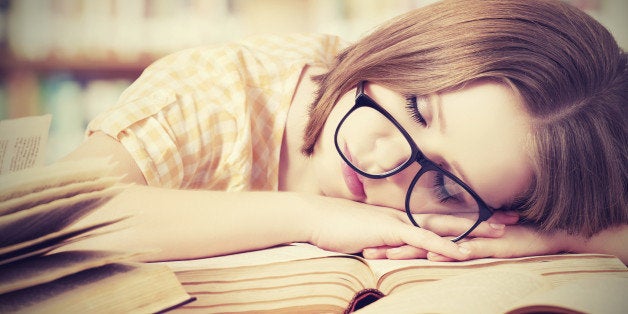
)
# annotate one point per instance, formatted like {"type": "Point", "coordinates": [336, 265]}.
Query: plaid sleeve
{"type": "Point", "coordinates": [173, 120]}
{"type": "Point", "coordinates": [213, 118]}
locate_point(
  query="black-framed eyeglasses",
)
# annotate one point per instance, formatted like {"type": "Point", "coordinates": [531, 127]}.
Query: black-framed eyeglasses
{"type": "Point", "coordinates": [433, 190]}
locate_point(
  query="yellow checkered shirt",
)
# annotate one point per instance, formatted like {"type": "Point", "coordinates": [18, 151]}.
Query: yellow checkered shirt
{"type": "Point", "coordinates": [213, 117]}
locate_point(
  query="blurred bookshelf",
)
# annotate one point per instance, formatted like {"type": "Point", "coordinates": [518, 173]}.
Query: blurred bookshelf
{"type": "Point", "coordinates": [73, 58]}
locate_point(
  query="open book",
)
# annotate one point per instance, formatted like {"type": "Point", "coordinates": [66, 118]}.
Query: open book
{"type": "Point", "coordinates": [22, 142]}
{"type": "Point", "coordinates": [302, 278]}
{"type": "Point", "coordinates": [38, 210]}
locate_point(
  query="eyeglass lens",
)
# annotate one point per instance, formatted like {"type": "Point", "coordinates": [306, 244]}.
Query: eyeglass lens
{"type": "Point", "coordinates": [381, 147]}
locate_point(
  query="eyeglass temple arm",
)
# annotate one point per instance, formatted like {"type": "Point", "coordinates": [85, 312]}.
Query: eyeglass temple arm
{"type": "Point", "coordinates": [359, 88]}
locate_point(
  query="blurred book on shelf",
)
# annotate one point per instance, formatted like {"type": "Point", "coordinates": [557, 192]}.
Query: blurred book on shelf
{"type": "Point", "coordinates": [73, 58]}
{"type": "Point", "coordinates": [114, 29]}
{"type": "Point", "coordinates": [72, 106]}
{"type": "Point", "coordinates": [71, 103]}
{"type": "Point", "coordinates": [127, 29]}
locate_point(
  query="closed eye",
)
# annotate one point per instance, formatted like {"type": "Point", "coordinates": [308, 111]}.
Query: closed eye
{"type": "Point", "coordinates": [413, 110]}
{"type": "Point", "coordinates": [440, 192]}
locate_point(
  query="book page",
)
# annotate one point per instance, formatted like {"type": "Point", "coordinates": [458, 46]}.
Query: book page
{"type": "Point", "coordinates": [397, 274]}
{"type": "Point", "coordinates": [22, 142]}
{"type": "Point", "coordinates": [51, 241]}
{"type": "Point", "coordinates": [113, 288]}
{"type": "Point", "coordinates": [599, 294]}
{"type": "Point", "coordinates": [279, 254]}
{"type": "Point", "coordinates": [480, 291]}
{"type": "Point", "coordinates": [281, 280]}
{"type": "Point", "coordinates": [33, 180]}
{"type": "Point", "coordinates": [51, 217]}
{"type": "Point", "coordinates": [35, 271]}
{"type": "Point", "coordinates": [31, 200]}
{"type": "Point", "coordinates": [381, 267]}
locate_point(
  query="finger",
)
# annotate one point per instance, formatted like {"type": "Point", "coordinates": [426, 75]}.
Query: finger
{"type": "Point", "coordinates": [510, 246]}
{"type": "Point", "coordinates": [406, 252]}
{"type": "Point", "coordinates": [375, 252]}
{"type": "Point", "coordinates": [472, 253]}
{"type": "Point", "coordinates": [431, 242]}
{"type": "Point", "coordinates": [448, 225]}
{"type": "Point", "coordinates": [504, 217]}
{"type": "Point", "coordinates": [435, 257]}
{"type": "Point", "coordinates": [444, 225]}
{"type": "Point", "coordinates": [488, 230]}
{"type": "Point", "coordinates": [495, 226]}
{"type": "Point", "coordinates": [482, 248]}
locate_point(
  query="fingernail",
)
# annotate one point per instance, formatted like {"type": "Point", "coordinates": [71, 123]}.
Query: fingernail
{"type": "Point", "coordinates": [367, 252]}
{"type": "Point", "coordinates": [497, 226]}
{"type": "Point", "coordinates": [437, 257]}
{"type": "Point", "coordinates": [393, 252]}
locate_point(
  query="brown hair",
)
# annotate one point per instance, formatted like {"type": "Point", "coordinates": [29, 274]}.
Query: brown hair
{"type": "Point", "coordinates": [566, 66]}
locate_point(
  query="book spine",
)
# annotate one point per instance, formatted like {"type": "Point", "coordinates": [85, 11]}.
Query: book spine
{"type": "Point", "coordinates": [363, 298]}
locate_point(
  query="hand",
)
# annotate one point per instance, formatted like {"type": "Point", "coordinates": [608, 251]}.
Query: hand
{"type": "Point", "coordinates": [453, 226]}
{"type": "Point", "coordinates": [446, 226]}
{"type": "Point", "coordinates": [518, 241]}
{"type": "Point", "coordinates": [350, 227]}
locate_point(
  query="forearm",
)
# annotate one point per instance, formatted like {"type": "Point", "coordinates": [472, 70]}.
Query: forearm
{"type": "Point", "coordinates": [179, 224]}
{"type": "Point", "coordinates": [182, 224]}
{"type": "Point", "coordinates": [612, 241]}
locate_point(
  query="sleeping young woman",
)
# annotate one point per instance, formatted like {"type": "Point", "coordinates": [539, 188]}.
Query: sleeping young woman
{"type": "Point", "coordinates": [460, 130]}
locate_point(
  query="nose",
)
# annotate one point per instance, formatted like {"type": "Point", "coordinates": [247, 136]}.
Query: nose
{"type": "Point", "coordinates": [391, 153]}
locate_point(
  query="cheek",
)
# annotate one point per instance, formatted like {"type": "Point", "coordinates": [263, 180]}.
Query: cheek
{"type": "Point", "coordinates": [325, 165]}
{"type": "Point", "coordinates": [391, 192]}
{"type": "Point", "coordinates": [495, 163]}
{"type": "Point", "coordinates": [493, 154]}
{"type": "Point", "coordinates": [498, 175]}
{"type": "Point", "coordinates": [502, 184]}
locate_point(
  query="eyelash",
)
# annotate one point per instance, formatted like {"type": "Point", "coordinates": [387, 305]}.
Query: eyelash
{"type": "Point", "coordinates": [413, 110]}
{"type": "Point", "coordinates": [441, 192]}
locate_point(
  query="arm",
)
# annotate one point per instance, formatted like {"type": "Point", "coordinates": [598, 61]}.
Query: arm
{"type": "Point", "coordinates": [524, 241]}
{"type": "Point", "coordinates": [612, 241]}
{"type": "Point", "coordinates": [192, 223]}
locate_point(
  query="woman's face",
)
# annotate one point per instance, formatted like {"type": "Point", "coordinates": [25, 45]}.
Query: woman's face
{"type": "Point", "coordinates": [478, 133]}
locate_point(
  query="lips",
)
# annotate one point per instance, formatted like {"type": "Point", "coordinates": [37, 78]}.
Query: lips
{"type": "Point", "coordinates": [352, 178]}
